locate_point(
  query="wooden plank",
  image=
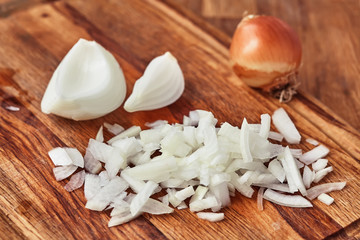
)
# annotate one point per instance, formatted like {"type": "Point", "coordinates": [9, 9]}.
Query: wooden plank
{"type": "Point", "coordinates": [36, 206]}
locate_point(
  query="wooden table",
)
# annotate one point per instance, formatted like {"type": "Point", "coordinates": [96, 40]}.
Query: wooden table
{"type": "Point", "coordinates": [35, 36]}
{"type": "Point", "coordinates": [331, 48]}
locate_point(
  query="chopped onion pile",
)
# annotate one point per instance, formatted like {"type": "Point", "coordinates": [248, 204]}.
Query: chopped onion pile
{"type": "Point", "coordinates": [198, 165]}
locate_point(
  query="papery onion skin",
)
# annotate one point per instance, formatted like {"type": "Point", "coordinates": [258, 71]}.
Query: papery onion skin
{"type": "Point", "coordinates": [265, 51]}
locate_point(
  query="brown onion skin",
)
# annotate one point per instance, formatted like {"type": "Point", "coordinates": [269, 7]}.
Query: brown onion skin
{"type": "Point", "coordinates": [264, 51]}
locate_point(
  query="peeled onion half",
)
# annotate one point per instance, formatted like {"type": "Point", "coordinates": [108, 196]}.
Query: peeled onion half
{"type": "Point", "coordinates": [87, 84]}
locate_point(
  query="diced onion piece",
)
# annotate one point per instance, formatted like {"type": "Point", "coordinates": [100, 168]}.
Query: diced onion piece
{"type": "Point", "coordinates": [64, 172]}
{"type": "Point", "coordinates": [244, 142]}
{"type": "Point", "coordinates": [114, 128]}
{"type": "Point", "coordinates": [114, 162]}
{"type": "Point", "coordinates": [296, 153]}
{"type": "Point", "coordinates": [206, 203]}
{"type": "Point", "coordinates": [142, 197]}
{"type": "Point", "coordinates": [194, 117]}
{"type": "Point", "coordinates": [265, 126]}
{"type": "Point", "coordinates": [135, 184]}
{"type": "Point", "coordinates": [12, 108]}
{"type": "Point", "coordinates": [100, 151]}
{"type": "Point", "coordinates": [104, 178]}
{"type": "Point", "coordinates": [100, 135]}
{"type": "Point", "coordinates": [106, 194]}
{"type": "Point", "coordinates": [324, 188]}
{"type": "Point", "coordinates": [185, 193]}
{"type": "Point", "coordinates": [153, 206]}
{"type": "Point", "coordinates": [76, 157]}
{"type": "Point", "coordinates": [286, 200]}
{"type": "Point", "coordinates": [244, 189]}
{"type": "Point", "coordinates": [325, 199]}
{"type": "Point", "coordinates": [260, 198]}
{"type": "Point", "coordinates": [292, 172]}
{"type": "Point", "coordinates": [199, 193]}
{"type": "Point", "coordinates": [172, 199]}
{"type": "Point", "coordinates": [121, 219]}
{"type": "Point", "coordinates": [285, 126]}
{"type": "Point", "coordinates": [182, 205]}
{"type": "Point", "coordinates": [60, 157]}
{"type": "Point", "coordinates": [91, 185]}
{"type": "Point", "coordinates": [156, 124]}
{"type": "Point", "coordinates": [212, 217]}
{"type": "Point", "coordinates": [282, 187]}
{"type": "Point", "coordinates": [322, 173]}
{"type": "Point", "coordinates": [130, 132]}
{"type": "Point", "coordinates": [221, 192]}
{"type": "Point", "coordinates": [312, 141]}
{"type": "Point", "coordinates": [307, 176]}
{"type": "Point", "coordinates": [314, 154]}
{"type": "Point", "coordinates": [275, 136]}
{"type": "Point", "coordinates": [153, 170]}
{"type": "Point", "coordinates": [277, 170]}
{"type": "Point", "coordinates": [319, 164]}
{"type": "Point", "coordinates": [91, 164]}
{"type": "Point", "coordinates": [76, 181]}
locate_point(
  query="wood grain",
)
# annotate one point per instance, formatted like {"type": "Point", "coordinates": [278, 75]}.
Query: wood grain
{"type": "Point", "coordinates": [34, 206]}
{"type": "Point", "coordinates": [331, 48]}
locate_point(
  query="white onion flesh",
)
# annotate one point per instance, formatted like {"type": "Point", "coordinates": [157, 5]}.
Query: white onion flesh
{"type": "Point", "coordinates": [322, 173]}
{"type": "Point", "coordinates": [76, 181]}
{"type": "Point", "coordinates": [314, 154]}
{"type": "Point", "coordinates": [106, 194]}
{"type": "Point", "coordinates": [12, 108]}
{"type": "Point", "coordinates": [312, 141]}
{"type": "Point", "coordinates": [63, 172]}
{"type": "Point", "coordinates": [87, 84]}
{"type": "Point", "coordinates": [324, 188]}
{"type": "Point", "coordinates": [324, 198]}
{"type": "Point", "coordinates": [276, 136]}
{"type": "Point", "coordinates": [114, 128]}
{"type": "Point", "coordinates": [197, 162]}
{"type": "Point", "coordinates": [286, 200]}
{"type": "Point", "coordinates": [142, 197]}
{"type": "Point", "coordinates": [319, 164]}
{"type": "Point", "coordinates": [100, 135]}
{"type": "Point", "coordinates": [308, 176]}
{"type": "Point", "coordinates": [260, 197]}
{"type": "Point", "coordinates": [285, 126]}
{"type": "Point", "coordinates": [212, 217]}
{"type": "Point", "coordinates": [161, 85]}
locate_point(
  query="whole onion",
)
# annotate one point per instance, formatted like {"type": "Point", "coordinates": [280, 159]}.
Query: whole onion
{"type": "Point", "coordinates": [266, 54]}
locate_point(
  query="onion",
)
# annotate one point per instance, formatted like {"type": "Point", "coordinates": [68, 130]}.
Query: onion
{"type": "Point", "coordinates": [260, 198]}
{"type": "Point", "coordinates": [285, 126]}
{"type": "Point", "coordinates": [87, 84]}
{"type": "Point", "coordinates": [63, 172]}
{"type": "Point", "coordinates": [106, 194]}
{"type": "Point", "coordinates": [266, 54]}
{"type": "Point", "coordinates": [314, 154]}
{"type": "Point", "coordinates": [212, 217]}
{"type": "Point", "coordinates": [325, 199]}
{"type": "Point", "coordinates": [286, 200]}
{"type": "Point", "coordinates": [142, 197]}
{"type": "Point", "coordinates": [114, 128]}
{"type": "Point", "coordinates": [161, 85]}
{"type": "Point", "coordinates": [76, 181]}
{"type": "Point", "coordinates": [319, 164]}
{"type": "Point", "coordinates": [324, 188]}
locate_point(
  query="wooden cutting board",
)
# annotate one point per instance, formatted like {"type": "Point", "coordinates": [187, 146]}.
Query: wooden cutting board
{"type": "Point", "coordinates": [34, 206]}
